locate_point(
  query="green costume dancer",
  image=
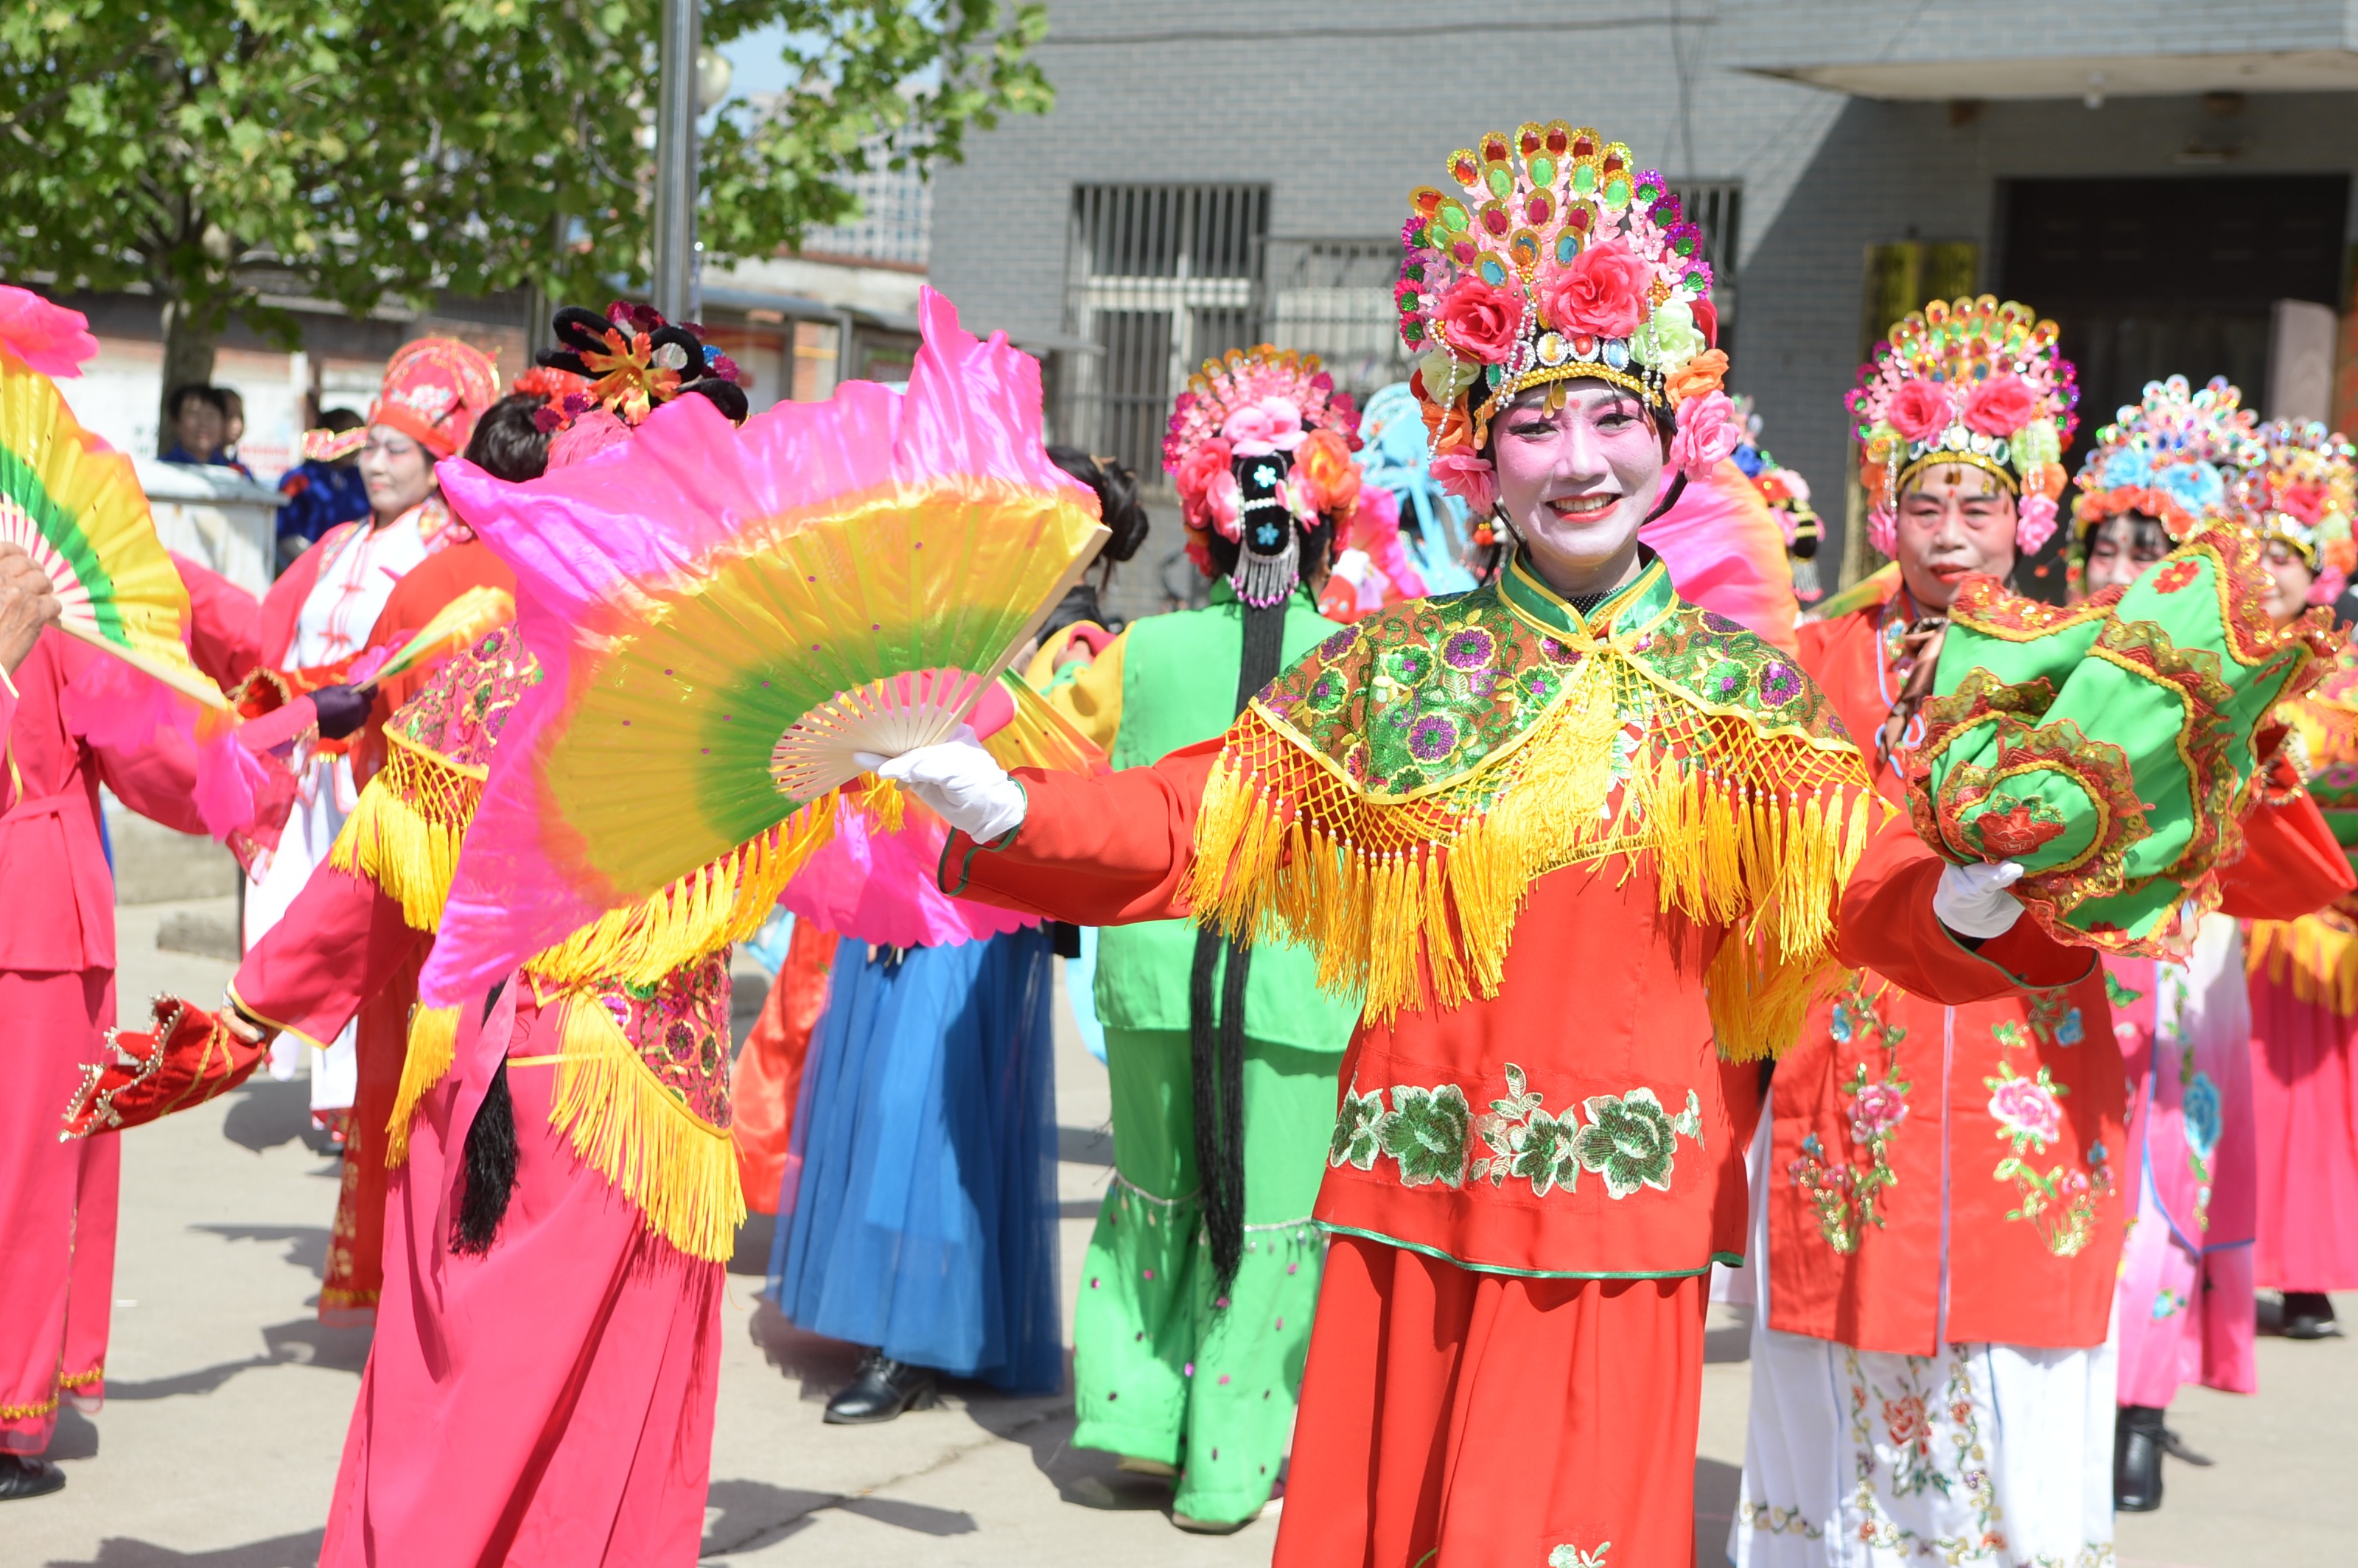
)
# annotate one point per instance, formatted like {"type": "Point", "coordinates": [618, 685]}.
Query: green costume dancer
{"type": "Point", "coordinates": [1175, 1370]}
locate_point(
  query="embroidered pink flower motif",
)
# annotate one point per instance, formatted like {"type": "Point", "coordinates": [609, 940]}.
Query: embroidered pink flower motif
{"type": "Point", "coordinates": [1879, 1109]}
{"type": "Point", "coordinates": [2026, 1108]}
{"type": "Point", "coordinates": [1708, 434]}
{"type": "Point", "coordinates": [1467, 476]}
{"type": "Point", "coordinates": [2000, 405]}
{"type": "Point", "coordinates": [50, 338]}
{"type": "Point", "coordinates": [1272, 424]}
{"type": "Point", "coordinates": [1918, 410]}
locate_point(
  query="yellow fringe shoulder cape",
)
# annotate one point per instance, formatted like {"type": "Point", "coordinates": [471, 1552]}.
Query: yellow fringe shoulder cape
{"type": "Point", "coordinates": [1390, 799]}
{"type": "Point", "coordinates": [679, 1167]}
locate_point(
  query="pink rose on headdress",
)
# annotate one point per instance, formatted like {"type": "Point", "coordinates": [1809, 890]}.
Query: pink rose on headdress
{"type": "Point", "coordinates": [2034, 522]}
{"type": "Point", "coordinates": [1468, 476]}
{"type": "Point", "coordinates": [50, 338]}
{"type": "Point", "coordinates": [1224, 506]}
{"type": "Point", "coordinates": [2000, 405]}
{"type": "Point", "coordinates": [1919, 410]}
{"type": "Point", "coordinates": [1272, 424]}
{"type": "Point", "coordinates": [1194, 478]}
{"type": "Point", "coordinates": [1707, 436]}
{"type": "Point", "coordinates": [1882, 531]}
{"type": "Point", "coordinates": [1602, 293]}
{"type": "Point", "coordinates": [1480, 322]}
{"type": "Point", "coordinates": [2305, 502]}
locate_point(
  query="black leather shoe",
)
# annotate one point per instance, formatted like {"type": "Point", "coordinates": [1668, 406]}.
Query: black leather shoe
{"type": "Point", "coordinates": [883, 1389]}
{"type": "Point", "coordinates": [2309, 1314]}
{"type": "Point", "coordinates": [23, 1477]}
{"type": "Point", "coordinates": [2137, 1459]}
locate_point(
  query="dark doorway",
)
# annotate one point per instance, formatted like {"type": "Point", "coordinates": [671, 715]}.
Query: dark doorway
{"type": "Point", "coordinates": [2149, 278]}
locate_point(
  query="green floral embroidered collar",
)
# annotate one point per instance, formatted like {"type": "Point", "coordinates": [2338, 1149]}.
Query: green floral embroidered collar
{"type": "Point", "coordinates": [1419, 698]}
{"type": "Point", "coordinates": [1626, 610]}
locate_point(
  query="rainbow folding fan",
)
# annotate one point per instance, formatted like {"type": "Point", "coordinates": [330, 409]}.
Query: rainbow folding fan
{"type": "Point", "coordinates": [76, 507]}
{"type": "Point", "coordinates": [725, 616]}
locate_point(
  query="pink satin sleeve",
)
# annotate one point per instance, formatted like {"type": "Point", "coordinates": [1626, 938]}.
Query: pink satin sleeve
{"type": "Point", "coordinates": [340, 942]}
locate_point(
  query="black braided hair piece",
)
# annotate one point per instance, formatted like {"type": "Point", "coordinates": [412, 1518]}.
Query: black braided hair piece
{"type": "Point", "coordinates": [1218, 1038]}
{"type": "Point", "coordinates": [491, 1157]}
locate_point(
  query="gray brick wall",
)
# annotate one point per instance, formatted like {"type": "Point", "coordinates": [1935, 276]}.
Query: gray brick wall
{"type": "Point", "coordinates": [1342, 106]}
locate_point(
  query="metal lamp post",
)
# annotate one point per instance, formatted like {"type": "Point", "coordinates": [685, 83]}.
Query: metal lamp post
{"type": "Point", "coordinates": [675, 240]}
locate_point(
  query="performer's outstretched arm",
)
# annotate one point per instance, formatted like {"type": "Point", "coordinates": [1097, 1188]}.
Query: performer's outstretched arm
{"type": "Point", "coordinates": [1888, 924]}
{"type": "Point", "coordinates": [341, 940]}
{"type": "Point", "coordinates": [1105, 849]}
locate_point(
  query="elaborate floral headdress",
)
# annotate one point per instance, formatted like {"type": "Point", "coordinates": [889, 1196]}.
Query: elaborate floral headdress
{"type": "Point", "coordinates": [1978, 383]}
{"type": "Point", "coordinates": [2300, 490]}
{"type": "Point", "coordinates": [435, 390]}
{"type": "Point", "coordinates": [1560, 261]}
{"type": "Point", "coordinates": [2172, 457]}
{"type": "Point", "coordinates": [1259, 449]}
{"type": "Point", "coordinates": [630, 361]}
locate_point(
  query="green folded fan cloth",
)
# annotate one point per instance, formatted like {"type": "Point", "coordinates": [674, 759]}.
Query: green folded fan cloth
{"type": "Point", "coordinates": [2106, 746]}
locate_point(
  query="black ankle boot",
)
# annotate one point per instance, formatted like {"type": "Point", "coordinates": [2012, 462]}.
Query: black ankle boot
{"type": "Point", "coordinates": [2309, 1314]}
{"type": "Point", "coordinates": [883, 1389]}
{"type": "Point", "coordinates": [2137, 1459]}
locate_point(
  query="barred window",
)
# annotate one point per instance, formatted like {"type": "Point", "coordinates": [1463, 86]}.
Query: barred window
{"type": "Point", "coordinates": [1158, 278]}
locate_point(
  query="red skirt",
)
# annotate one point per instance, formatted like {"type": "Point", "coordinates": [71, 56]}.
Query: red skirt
{"type": "Point", "coordinates": [1459, 1420]}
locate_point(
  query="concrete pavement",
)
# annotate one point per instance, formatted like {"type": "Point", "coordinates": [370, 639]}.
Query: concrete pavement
{"type": "Point", "coordinates": [227, 1400]}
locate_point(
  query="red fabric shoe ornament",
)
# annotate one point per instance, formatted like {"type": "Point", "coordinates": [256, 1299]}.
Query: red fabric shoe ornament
{"type": "Point", "coordinates": [185, 1057]}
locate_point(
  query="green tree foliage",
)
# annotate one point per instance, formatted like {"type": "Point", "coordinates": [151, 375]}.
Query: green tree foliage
{"type": "Point", "coordinates": [222, 151]}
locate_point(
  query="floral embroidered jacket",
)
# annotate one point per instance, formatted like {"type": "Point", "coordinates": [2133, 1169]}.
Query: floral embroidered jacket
{"type": "Point", "coordinates": [1578, 862]}
{"type": "Point", "coordinates": [642, 1085]}
{"type": "Point", "coordinates": [1941, 1172]}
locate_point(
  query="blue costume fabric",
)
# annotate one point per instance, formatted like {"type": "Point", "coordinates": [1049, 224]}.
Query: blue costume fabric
{"type": "Point", "coordinates": [921, 1212]}
{"type": "Point", "coordinates": [318, 496]}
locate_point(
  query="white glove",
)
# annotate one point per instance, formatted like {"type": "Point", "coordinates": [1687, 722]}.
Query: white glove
{"type": "Point", "coordinates": [958, 779]}
{"type": "Point", "coordinates": [1972, 900]}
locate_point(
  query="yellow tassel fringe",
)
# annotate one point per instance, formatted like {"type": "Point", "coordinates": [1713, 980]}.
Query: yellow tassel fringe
{"type": "Point", "coordinates": [2319, 958]}
{"type": "Point", "coordinates": [433, 1047]}
{"type": "Point", "coordinates": [677, 1169]}
{"type": "Point", "coordinates": [1756, 834]}
{"type": "Point", "coordinates": [403, 834]}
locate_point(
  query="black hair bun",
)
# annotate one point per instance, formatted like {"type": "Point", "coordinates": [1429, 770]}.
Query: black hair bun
{"type": "Point", "coordinates": [725, 395]}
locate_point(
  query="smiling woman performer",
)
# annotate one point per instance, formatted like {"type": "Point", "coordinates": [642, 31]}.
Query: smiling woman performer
{"type": "Point", "coordinates": [1534, 820]}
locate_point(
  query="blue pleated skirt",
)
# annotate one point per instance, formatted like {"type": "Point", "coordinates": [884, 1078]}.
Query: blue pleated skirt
{"type": "Point", "coordinates": [922, 1216]}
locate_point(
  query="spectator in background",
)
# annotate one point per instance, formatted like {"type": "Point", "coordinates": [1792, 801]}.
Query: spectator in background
{"type": "Point", "coordinates": [233, 429]}
{"type": "Point", "coordinates": [324, 489]}
{"type": "Point", "coordinates": [200, 424]}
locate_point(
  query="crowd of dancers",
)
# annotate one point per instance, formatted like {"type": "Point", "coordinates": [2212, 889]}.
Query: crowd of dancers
{"type": "Point", "coordinates": [1510, 916]}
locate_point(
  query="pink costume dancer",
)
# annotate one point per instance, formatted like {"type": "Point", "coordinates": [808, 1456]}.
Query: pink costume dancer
{"type": "Point", "coordinates": [317, 617]}
{"type": "Point", "coordinates": [2304, 974]}
{"type": "Point", "coordinates": [541, 1388]}
{"type": "Point", "coordinates": [57, 973]}
{"type": "Point", "coordinates": [2184, 1307]}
